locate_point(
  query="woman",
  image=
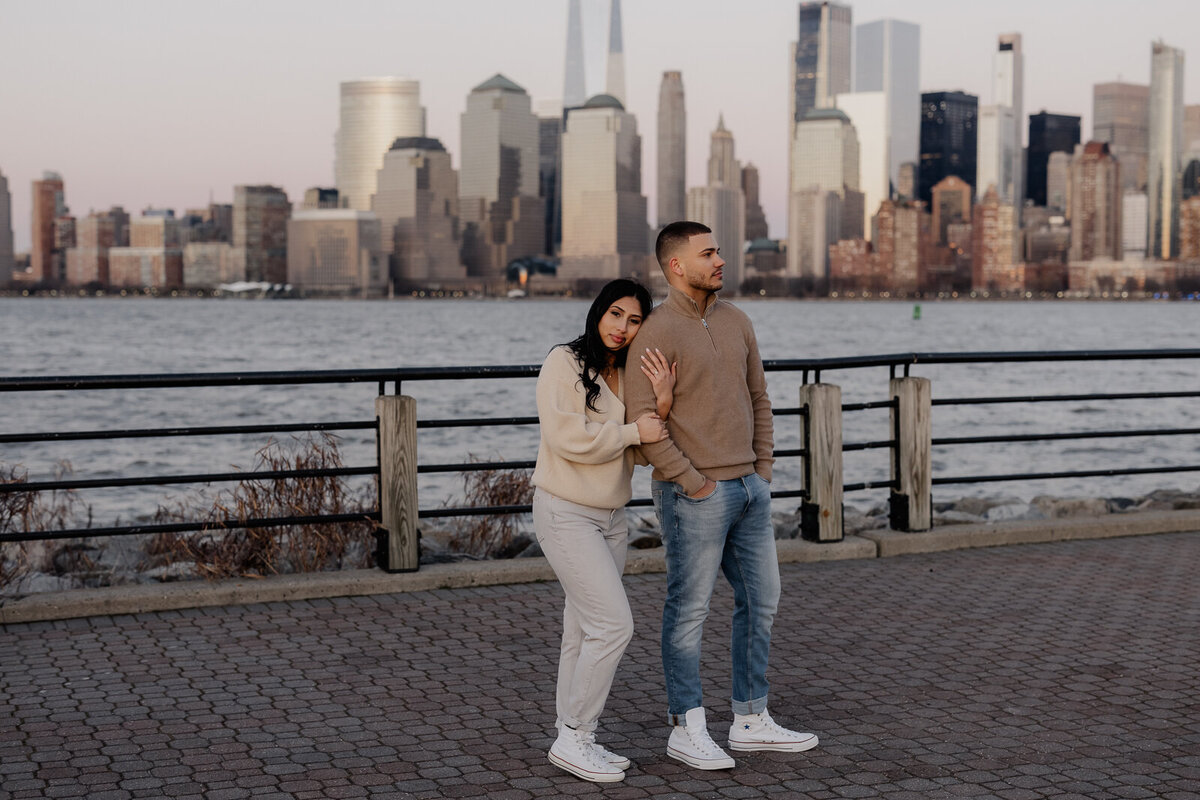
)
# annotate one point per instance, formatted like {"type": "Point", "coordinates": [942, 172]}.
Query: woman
{"type": "Point", "coordinates": [584, 467]}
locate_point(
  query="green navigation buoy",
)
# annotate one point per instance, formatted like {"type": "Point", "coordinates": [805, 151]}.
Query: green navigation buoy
{"type": "Point", "coordinates": [917, 311]}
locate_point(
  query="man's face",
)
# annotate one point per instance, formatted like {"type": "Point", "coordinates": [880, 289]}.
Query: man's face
{"type": "Point", "coordinates": [702, 264]}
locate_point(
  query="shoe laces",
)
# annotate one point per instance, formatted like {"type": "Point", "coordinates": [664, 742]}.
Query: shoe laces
{"type": "Point", "coordinates": [702, 741]}
{"type": "Point", "coordinates": [594, 751]}
{"type": "Point", "coordinates": [590, 739]}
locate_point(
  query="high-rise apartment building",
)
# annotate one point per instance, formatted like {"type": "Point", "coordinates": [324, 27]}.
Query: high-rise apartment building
{"type": "Point", "coordinates": [417, 205]}
{"type": "Point", "coordinates": [949, 139]}
{"type": "Point", "coordinates": [336, 251]}
{"type": "Point", "coordinates": [1121, 117]}
{"type": "Point", "coordinates": [1095, 204]}
{"type": "Point", "coordinates": [1189, 229]}
{"type": "Point", "coordinates": [868, 113]}
{"type": "Point", "coordinates": [721, 204]}
{"type": "Point", "coordinates": [49, 203]}
{"type": "Point", "coordinates": [825, 204]}
{"type": "Point", "coordinates": [993, 254]}
{"type": "Point", "coordinates": [373, 113]}
{"type": "Point", "coordinates": [1191, 129]}
{"type": "Point", "coordinates": [672, 149]}
{"type": "Point", "coordinates": [95, 235]}
{"type": "Point", "coordinates": [1164, 185]}
{"type": "Point", "coordinates": [888, 59]}
{"type": "Point", "coordinates": [1048, 133]}
{"type": "Point", "coordinates": [902, 234]}
{"type": "Point", "coordinates": [260, 215]}
{"type": "Point", "coordinates": [604, 212]}
{"type": "Point", "coordinates": [154, 257]}
{"type": "Point", "coordinates": [6, 233]}
{"type": "Point", "coordinates": [499, 207]}
{"type": "Point", "coordinates": [756, 219]}
{"type": "Point", "coordinates": [1134, 235]}
{"type": "Point", "coordinates": [614, 84]}
{"type": "Point", "coordinates": [951, 204]}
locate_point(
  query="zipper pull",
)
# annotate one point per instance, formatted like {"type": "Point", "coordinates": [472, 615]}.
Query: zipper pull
{"type": "Point", "coordinates": [704, 322]}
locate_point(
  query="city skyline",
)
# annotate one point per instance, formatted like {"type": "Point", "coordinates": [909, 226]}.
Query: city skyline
{"type": "Point", "coordinates": [176, 108]}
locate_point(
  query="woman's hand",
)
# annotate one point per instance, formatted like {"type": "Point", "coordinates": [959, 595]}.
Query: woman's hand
{"type": "Point", "coordinates": [662, 379]}
{"type": "Point", "coordinates": [651, 428]}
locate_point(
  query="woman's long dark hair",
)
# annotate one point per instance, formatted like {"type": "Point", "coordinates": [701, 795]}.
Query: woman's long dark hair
{"type": "Point", "coordinates": [590, 349]}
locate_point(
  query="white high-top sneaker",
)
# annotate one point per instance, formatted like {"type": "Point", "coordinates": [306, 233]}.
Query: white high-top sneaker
{"type": "Point", "coordinates": [691, 744]}
{"type": "Point", "coordinates": [573, 751]}
{"type": "Point", "coordinates": [760, 732]}
{"type": "Point", "coordinates": [618, 761]}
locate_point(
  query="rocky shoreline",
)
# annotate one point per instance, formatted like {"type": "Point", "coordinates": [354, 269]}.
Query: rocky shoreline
{"type": "Point", "coordinates": [98, 562]}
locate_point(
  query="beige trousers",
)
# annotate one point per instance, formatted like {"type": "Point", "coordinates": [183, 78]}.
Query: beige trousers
{"type": "Point", "coordinates": [586, 547]}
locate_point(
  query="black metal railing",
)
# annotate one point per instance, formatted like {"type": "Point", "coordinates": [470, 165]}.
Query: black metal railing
{"type": "Point", "coordinates": [399, 378]}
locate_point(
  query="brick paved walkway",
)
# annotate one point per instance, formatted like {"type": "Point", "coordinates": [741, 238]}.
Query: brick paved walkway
{"type": "Point", "coordinates": [1064, 670]}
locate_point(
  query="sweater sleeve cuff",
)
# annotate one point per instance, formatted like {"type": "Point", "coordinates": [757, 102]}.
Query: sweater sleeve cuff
{"type": "Point", "coordinates": [630, 434]}
{"type": "Point", "coordinates": [691, 481]}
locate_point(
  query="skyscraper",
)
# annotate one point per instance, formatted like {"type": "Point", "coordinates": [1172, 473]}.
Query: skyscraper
{"type": "Point", "coordinates": [672, 149]}
{"type": "Point", "coordinates": [417, 206]}
{"type": "Point", "coordinates": [575, 77]}
{"type": "Point", "coordinates": [615, 77]}
{"type": "Point", "coordinates": [948, 139]}
{"type": "Point", "coordinates": [374, 112]}
{"type": "Point", "coordinates": [868, 112]}
{"type": "Point", "coordinates": [550, 129]}
{"type": "Point", "coordinates": [1163, 181]}
{"type": "Point", "coordinates": [1048, 133]}
{"type": "Point", "coordinates": [6, 233]}
{"type": "Point", "coordinates": [1001, 127]}
{"type": "Point", "coordinates": [499, 207]}
{"type": "Point", "coordinates": [825, 204]}
{"type": "Point", "coordinates": [260, 215]}
{"type": "Point", "coordinates": [49, 204]}
{"type": "Point", "coordinates": [1095, 204]}
{"type": "Point", "coordinates": [721, 204]}
{"type": "Point", "coordinates": [888, 60]}
{"type": "Point", "coordinates": [336, 251]}
{"type": "Point", "coordinates": [604, 212]}
{"type": "Point", "coordinates": [1121, 118]}
{"type": "Point", "coordinates": [821, 62]}
{"type": "Point", "coordinates": [756, 220]}
{"type": "Point", "coordinates": [993, 244]}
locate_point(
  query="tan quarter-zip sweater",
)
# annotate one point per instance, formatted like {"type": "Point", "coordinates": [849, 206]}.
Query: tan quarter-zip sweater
{"type": "Point", "coordinates": [720, 423]}
{"type": "Point", "coordinates": [584, 456]}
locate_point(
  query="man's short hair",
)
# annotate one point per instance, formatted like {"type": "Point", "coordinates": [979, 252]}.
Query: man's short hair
{"type": "Point", "coordinates": [674, 235]}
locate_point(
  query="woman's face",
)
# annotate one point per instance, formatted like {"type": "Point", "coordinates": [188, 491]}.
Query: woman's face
{"type": "Point", "coordinates": [619, 324]}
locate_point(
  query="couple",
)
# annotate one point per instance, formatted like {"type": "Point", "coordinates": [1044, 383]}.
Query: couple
{"type": "Point", "coordinates": [697, 410]}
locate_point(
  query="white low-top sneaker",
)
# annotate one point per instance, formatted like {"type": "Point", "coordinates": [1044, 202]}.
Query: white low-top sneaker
{"type": "Point", "coordinates": [760, 732]}
{"type": "Point", "coordinates": [574, 751]}
{"type": "Point", "coordinates": [618, 761]}
{"type": "Point", "coordinates": [691, 744]}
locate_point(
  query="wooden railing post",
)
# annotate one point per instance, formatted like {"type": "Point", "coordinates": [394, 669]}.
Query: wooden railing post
{"type": "Point", "coordinates": [912, 461]}
{"type": "Point", "coordinates": [397, 417]}
{"type": "Point", "coordinates": [821, 511]}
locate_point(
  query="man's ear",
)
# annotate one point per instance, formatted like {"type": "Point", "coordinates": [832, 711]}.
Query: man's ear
{"type": "Point", "coordinates": [675, 266]}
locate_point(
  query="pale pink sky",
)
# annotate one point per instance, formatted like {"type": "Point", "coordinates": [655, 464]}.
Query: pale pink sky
{"type": "Point", "coordinates": [145, 102]}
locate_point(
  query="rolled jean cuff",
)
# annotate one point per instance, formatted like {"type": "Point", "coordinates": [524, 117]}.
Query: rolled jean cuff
{"type": "Point", "coordinates": [755, 706]}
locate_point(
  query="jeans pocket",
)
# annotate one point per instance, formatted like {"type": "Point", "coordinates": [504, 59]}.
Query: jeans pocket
{"type": "Point", "coordinates": [682, 495]}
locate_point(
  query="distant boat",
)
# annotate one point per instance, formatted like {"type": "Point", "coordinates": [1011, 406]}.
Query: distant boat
{"type": "Point", "coordinates": [515, 293]}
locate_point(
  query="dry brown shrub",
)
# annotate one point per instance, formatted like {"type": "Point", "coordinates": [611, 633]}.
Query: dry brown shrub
{"type": "Point", "coordinates": [255, 552]}
{"type": "Point", "coordinates": [485, 536]}
{"type": "Point", "coordinates": [25, 512]}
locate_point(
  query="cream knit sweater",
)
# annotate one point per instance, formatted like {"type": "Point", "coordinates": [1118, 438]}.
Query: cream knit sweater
{"type": "Point", "coordinates": [584, 456]}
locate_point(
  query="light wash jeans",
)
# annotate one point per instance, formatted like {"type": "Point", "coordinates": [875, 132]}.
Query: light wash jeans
{"type": "Point", "coordinates": [586, 547]}
{"type": "Point", "coordinates": [731, 531]}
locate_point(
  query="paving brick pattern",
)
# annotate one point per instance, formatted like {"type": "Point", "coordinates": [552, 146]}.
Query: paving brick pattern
{"type": "Point", "coordinates": [1063, 671]}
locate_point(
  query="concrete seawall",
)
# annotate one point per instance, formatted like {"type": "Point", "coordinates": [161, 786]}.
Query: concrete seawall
{"type": "Point", "coordinates": [134, 599]}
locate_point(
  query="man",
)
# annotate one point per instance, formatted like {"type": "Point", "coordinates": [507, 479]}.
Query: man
{"type": "Point", "coordinates": [712, 494]}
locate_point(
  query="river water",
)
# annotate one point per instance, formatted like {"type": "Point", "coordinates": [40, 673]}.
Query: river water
{"type": "Point", "coordinates": [160, 335]}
